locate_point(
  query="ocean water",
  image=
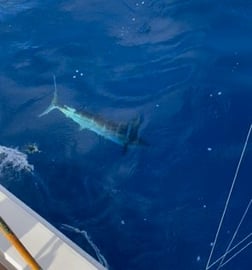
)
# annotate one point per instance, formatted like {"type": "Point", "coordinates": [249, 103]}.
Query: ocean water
{"type": "Point", "coordinates": [185, 68]}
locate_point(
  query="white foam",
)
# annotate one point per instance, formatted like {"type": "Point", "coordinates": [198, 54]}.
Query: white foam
{"type": "Point", "coordinates": [12, 159]}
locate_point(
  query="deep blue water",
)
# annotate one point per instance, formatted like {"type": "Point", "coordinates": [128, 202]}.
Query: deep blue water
{"type": "Point", "coordinates": [185, 67]}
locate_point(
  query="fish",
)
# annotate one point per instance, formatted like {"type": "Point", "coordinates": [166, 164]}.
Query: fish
{"type": "Point", "coordinates": [122, 133]}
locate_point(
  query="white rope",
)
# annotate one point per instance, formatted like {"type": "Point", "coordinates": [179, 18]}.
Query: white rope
{"type": "Point", "coordinates": [229, 196]}
{"type": "Point", "coordinates": [235, 233]}
{"type": "Point", "coordinates": [230, 250]}
{"type": "Point", "coordinates": [238, 252]}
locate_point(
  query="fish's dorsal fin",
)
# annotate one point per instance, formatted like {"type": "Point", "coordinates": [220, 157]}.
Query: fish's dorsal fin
{"type": "Point", "coordinates": [133, 127]}
{"type": "Point", "coordinates": [132, 135]}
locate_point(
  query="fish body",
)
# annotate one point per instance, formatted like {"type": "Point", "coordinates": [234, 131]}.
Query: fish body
{"type": "Point", "coordinates": [120, 133]}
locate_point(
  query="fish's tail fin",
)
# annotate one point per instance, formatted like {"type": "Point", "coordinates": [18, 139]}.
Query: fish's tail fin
{"type": "Point", "coordinates": [53, 105]}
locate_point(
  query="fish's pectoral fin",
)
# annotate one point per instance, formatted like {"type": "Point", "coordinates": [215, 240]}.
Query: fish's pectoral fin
{"type": "Point", "coordinates": [81, 128]}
